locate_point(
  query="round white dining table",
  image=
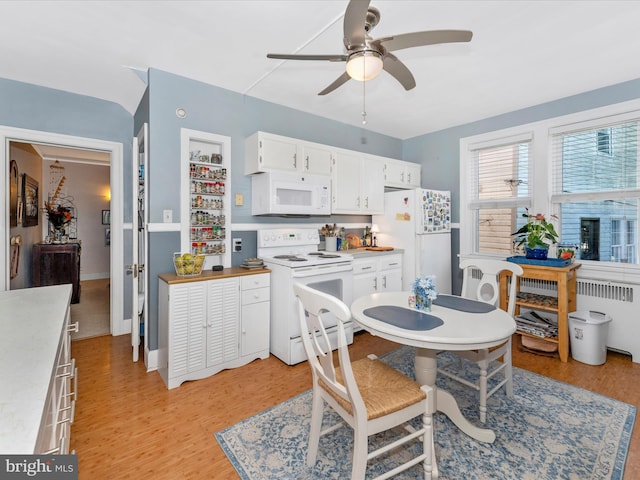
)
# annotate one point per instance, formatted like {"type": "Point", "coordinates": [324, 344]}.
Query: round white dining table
{"type": "Point", "coordinates": [445, 328]}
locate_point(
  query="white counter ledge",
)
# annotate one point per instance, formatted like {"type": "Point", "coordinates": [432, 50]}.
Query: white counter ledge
{"type": "Point", "coordinates": [32, 325]}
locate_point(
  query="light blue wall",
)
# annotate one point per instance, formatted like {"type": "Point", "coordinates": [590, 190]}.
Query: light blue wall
{"type": "Point", "coordinates": [223, 112]}
{"type": "Point", "coordinates": [43, 109]}
{"type": "Point", "coordinates": [439, 152]}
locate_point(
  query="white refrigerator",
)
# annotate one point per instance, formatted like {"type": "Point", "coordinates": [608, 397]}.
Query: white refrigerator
{"type": "Point", "coordinates": [419, 222]}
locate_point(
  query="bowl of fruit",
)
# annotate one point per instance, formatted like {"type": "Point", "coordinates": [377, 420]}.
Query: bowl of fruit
{"type": "Point", "coordinates": [187, 264]}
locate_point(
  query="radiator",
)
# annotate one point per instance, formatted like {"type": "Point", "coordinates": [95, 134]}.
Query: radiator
{"type": "Point", "coordinates": [618, 300]}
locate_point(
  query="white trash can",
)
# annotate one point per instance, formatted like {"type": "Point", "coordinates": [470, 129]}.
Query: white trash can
{"type": "Point", "coordinates": [588, 332]}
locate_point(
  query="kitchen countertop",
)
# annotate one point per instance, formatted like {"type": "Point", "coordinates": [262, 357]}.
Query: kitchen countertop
{"type": "Point", "coordinates": [172, 278]}
{"type": "Point", "coordinates": [31, 326]}
{"type": "Point", "coordinates": [363, 252]}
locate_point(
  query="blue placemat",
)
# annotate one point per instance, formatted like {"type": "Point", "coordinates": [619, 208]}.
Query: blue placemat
{"type": "Point", "coordinates": [549, 262]}
{"type": "Point", "coordinates": [403, 317]}
{"type": "Point", "coordinates": [463, 304]}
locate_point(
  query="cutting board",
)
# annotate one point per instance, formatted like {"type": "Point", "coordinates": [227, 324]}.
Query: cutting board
{"type": "Point", "coordinates": [379, 249]}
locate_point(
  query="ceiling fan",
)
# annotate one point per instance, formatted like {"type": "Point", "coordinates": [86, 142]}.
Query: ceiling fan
{"type": "Point", "coordinates": [367, 57]}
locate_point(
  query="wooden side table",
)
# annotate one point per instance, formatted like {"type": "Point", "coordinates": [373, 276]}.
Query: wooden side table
{"type": "Point", "coordinates": [562, 305]}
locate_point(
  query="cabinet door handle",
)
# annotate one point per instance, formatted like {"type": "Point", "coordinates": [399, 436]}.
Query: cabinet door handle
{"type": "Point", "coordinates": [307, 163]}
{"type": "Point", "coordinates": [63, 369]}
{"type": "Point", "coordinates": [402, 177]}
{"type": "Point", "coordinates": [384, 282]}
{"type": "Point", "coordinates": [295, 161]}
{"type": "Point", "coordinates": [408, 178]}
{"type": "Point", "coordinates": [375, 284]}
{"type": "Point", "coordinates": [367, 268]}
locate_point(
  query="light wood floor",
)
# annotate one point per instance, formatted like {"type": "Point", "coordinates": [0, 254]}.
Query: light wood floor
{"type": "Point", "coordinates": [129, 426]}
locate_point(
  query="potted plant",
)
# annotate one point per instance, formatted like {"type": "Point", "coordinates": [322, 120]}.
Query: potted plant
{"type": "Point", "coordinates": [536, 235]}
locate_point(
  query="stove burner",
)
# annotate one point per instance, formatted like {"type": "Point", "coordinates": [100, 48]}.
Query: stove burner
{"type": "Point", "coordinates": [323, 255]}
{"type": "Point", "coordinates": [291, 258]}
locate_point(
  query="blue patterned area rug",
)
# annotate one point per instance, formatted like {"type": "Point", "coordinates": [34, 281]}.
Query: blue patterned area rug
{"type": "Point", "coordinates": [548, 430]}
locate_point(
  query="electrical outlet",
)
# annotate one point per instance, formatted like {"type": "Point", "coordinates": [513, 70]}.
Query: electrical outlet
{"type": "Point", "coordinates": [167, 216]}
{"type": "Point", "coordinates": [237, 244]}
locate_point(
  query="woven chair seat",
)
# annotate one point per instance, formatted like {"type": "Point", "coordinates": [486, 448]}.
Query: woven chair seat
{"type": "Point", "coordinates": [384, 390]}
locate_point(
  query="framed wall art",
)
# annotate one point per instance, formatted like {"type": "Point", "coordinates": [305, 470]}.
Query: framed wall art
{"type": "Point", "coordinates": [106, 217]}
{"type": "Point", "coordinates": [13, 194]}
{"type": "Point", "coordinates": [30, 201]}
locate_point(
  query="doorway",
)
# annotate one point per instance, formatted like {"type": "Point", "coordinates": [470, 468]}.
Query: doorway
{"type": "Point", "coordinates": [111, 150]}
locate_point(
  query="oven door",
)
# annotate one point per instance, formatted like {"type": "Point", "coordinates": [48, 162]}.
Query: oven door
{"type": "Point", "coordinates": [334, 279]}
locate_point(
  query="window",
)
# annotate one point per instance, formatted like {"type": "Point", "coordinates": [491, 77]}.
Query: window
{"type": "Point", "coordinates": [499, 191]}
{"type": "Point", "coordinates": [596, 189]}
{"type": "Point", "coordinates": [584, 168]}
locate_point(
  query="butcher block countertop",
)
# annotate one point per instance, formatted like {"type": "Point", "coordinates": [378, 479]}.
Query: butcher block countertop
{"type": "Point", "coordinates": [172, 278]}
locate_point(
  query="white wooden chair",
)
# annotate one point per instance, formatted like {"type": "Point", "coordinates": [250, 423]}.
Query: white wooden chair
{"type": "Point", "coordinates": [369, 395]}
{"type": "Point", "coordinates": [488, 291]}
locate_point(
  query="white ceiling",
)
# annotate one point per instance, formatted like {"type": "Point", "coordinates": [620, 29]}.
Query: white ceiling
{"type": "Point", "coordinates": [523, 53]}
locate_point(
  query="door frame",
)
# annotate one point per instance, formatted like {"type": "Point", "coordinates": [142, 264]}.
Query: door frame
{"type": "Point", "coordinates": [118, 325]}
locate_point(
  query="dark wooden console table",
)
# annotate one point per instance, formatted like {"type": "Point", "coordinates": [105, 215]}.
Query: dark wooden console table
{"type": "Point", "coordinates": [57, 264]}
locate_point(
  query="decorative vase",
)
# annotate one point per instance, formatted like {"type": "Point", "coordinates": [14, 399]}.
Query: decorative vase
{"type": "Point", "coordinates": [537, 253]}
{"type": "Point", "coordinates": [423, 302]}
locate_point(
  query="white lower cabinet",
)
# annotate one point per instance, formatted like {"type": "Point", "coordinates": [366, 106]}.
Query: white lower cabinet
{"type": "Point", "coordinates": [375, 274]}
{"type": "Point", "coordinates": [55, 433]}
{"type": "Point", "coordinates": [210, 323]}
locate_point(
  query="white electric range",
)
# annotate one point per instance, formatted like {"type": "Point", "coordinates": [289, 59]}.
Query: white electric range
{"type": "Point", "coordinates": [292, 256]}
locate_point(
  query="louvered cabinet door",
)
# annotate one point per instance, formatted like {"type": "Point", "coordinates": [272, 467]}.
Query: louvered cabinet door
{"type": "Point", "coordinates": [187, 328]}
{"type": "Point", "coordinates": [223, 318]}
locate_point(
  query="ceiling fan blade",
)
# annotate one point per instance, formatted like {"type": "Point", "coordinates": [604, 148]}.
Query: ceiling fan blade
{"type": "Point", "coordinates": [341, 80]}
{"type": "Point", "coordinates": [418, 39]}
{"type": "Point", "coordinates": [399, 71]}
{"type": "Point", "coordinates": [294, 56]}
{"type": "Point", "coordinates": [354, 20]}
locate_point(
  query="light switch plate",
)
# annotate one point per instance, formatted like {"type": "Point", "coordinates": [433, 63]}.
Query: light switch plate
{"type": "Point", "coordinates": [239, 199]}
{"type": "Point", "coordinates": [167, 216]}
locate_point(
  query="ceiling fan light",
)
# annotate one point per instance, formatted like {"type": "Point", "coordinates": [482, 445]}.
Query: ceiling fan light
{"type": "Point", "coordinates": [364, 66]}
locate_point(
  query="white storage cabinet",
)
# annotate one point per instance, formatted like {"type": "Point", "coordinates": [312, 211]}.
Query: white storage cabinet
{"type": "Point", "coordinates": [374, 274]}
{"type": "Point", "coordinates": [267, 152]}
{"type": "Point", "coordinates": [400, 174]}
{"type": "Point", "coordinates": [357, 183]}
{"type": "Point", "coordinates": [210, 323]}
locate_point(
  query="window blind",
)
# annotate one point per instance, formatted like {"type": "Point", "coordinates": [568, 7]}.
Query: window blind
{"type": "Point", "coordinates": [499, 176]}
{"type": "Point", "coordinates": [597, 163]}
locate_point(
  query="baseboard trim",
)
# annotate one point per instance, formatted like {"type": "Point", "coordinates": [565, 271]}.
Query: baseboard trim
{"type": "Point", "coordinates": [94, 276]}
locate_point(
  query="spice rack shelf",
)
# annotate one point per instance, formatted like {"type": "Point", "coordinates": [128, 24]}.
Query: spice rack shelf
{"type": "Point", "coordinates": [206, 160]}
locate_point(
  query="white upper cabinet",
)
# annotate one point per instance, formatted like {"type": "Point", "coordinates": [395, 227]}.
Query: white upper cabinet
{"type": "Point", "coordinates": [267, 152]}
{"type": "Point", "coordinates": [357, 183]}
{"type": "Point", "coordinates": [400, 174]}
{"type": "Point", "coordinates": [316, 158]}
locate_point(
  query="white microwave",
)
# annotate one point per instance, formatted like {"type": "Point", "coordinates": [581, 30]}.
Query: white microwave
{"type": "Point", "coordinates": [281, 193]}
